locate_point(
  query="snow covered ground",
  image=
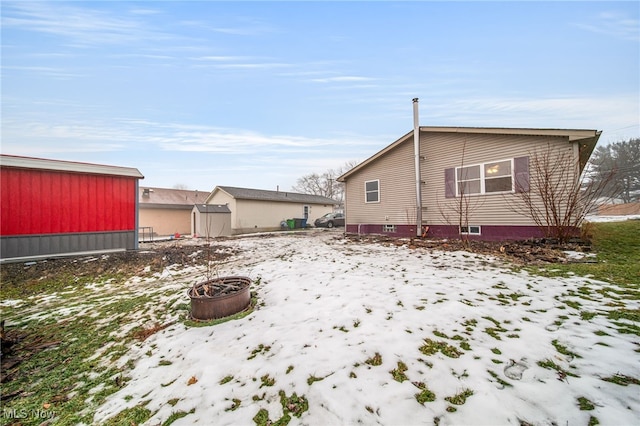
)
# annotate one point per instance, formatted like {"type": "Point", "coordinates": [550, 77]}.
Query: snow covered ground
{"type": "Point", "coordinates": [618, 218]}
{"type": "Point", "coordinates": [373, 334]}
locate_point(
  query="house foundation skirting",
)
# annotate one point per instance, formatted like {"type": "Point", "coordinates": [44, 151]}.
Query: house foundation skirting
{"type": "Point", "coordinates": [487, 232]}
{"type": "Point", "coordinates": [18, 246]}
{"type": "Point", "coordinates": [369, 228]}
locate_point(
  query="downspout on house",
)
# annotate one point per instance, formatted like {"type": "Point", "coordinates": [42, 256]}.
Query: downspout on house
{"type": "Point", "coordinates": [416, 152]}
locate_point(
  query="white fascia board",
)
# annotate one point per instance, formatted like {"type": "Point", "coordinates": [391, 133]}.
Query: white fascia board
{"type": "Point", "coordinates": [67, 166]}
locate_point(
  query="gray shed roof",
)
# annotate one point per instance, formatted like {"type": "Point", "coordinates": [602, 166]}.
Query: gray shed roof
{"type": "Point", "coordinates": [213, 208]}
{"type": "Point", "coordinates": [280, 196]}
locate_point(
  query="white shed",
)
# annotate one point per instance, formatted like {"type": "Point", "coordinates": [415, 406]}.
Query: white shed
{"type": "Point", "coordinates": [211, 220]}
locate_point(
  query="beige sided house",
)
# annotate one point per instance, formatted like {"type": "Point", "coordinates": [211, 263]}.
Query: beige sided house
{"type": "Point", "coordinates": [165, 212]}
{"type": "Point", "coordinates": [257, 210]}
{"type": "Point", "coordinates": [491, 164]}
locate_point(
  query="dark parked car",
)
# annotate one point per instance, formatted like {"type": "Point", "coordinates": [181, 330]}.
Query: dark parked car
{"type": "Point", "coordinates": [330, 220]}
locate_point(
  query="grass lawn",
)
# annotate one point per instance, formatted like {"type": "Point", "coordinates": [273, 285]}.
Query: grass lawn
{"type": "Point", "coordinates": [617, 245]}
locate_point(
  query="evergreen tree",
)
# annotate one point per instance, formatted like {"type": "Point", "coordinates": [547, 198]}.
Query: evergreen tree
{"type": "Point", "coordinates": [623, 158]}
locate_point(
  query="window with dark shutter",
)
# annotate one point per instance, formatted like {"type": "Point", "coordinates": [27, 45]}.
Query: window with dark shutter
{"type": "Point", "coordinates": [486, 178]}
{"type": "Point", "coordinates": [521, 171]}
{"type": "Point", "coordinates": [497, 176]}
{"type": "Point", "coordinates": [469, 180]}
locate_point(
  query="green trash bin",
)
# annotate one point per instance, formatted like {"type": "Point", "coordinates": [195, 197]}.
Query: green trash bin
{"type": "Point", "coordinates": [291, 223]}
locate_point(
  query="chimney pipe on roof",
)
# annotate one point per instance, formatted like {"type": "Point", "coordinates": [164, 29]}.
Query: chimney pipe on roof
{"type": "Point", "coordinates": [416, 149]}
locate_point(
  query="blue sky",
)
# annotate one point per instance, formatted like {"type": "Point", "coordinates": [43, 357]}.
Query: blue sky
{"type": "Point", "coordinates": [257, 94]}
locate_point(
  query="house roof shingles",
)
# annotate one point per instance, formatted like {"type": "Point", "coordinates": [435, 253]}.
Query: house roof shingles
{"type": "Point", "coordinates": [279, 196]}
{"type": "Point", "coordinates": [165, 198]}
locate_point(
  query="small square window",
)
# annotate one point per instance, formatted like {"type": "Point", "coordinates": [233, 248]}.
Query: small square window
{"type": "Point", "coordinates": [470, 230]}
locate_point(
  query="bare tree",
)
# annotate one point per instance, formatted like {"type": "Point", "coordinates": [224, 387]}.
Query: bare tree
{"type": "Point", "coordinates": [324, 184]}
{"type": "Point", "coordinates": [557, 196]}
{"type": "Point", "coordinates": [212, 267]}
{"type": "Point", "coordinates": [458, 210]}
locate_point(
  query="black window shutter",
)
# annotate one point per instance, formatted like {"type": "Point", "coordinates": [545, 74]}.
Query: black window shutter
{"type": "Point", "coordinates": [521, 171]}
{"type": "Point", "coordinates": [450, 183]}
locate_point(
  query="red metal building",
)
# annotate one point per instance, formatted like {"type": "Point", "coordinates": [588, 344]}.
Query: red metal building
{"type": "Point", "coordinates": [51, 207]}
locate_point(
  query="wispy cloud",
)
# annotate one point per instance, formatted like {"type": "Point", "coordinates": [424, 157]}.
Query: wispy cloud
{"type": "Point", "coordinates": [243, 26]}
{"type": "Point", "coordinates": [39, 138]}
{"type": "Point", "coordinates": [50, 55]}
{"type": "Point", "coordinates": [568, 106]}
{"type": "Point", "coordinates": [602, 113]}
{"type": "Point", "coordinates": [81, 26]}
{"type": "Point", "coordinates": [143, 56]}
{"type": "Point", "coordinates": [237, 141]}
{"type": "Point", "coordinates": [136, 134]}
{"type": "Point", "coordinates": [142, 11]}
{"type": "Point", "coordinates": [342, 79]}
{"type": "Point", "coordinates": [54, 72]}
{"type": "Point", "coordinates": [257, 65]}
{"type": "Point", "coordinates": [237, 62]}
{"type": "Point", "coordinates": [614, 24]}
{"type": "Point", "coordinates": [220, 58]}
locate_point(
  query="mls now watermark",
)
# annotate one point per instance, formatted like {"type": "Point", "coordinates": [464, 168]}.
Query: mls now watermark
{"type": "Point", "coordinates": [27, 414]}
